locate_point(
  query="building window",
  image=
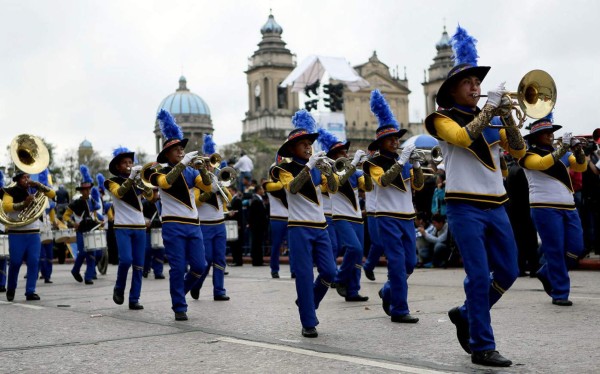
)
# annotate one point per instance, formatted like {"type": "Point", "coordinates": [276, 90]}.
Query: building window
{"type": "Point", "coordinates": [282, 97]}
{"type": "Point", "coordinates": [353, 123]}
{"type": "Point", "coordinates": [366, 124]}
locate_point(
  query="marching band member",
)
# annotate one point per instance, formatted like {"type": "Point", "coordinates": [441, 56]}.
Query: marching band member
{"type": "Point", "coordinates": [155, 257]}
{"type": "Point", "coordinates": [475, 195]}
{"type": "Point", "coordinates": [130, 225]}
{"type": "Point", "coordinates": [84, 218]}
{"type": "Point", "coordinates": [395, 178]}
{"type": "Point", "coordinates": [48, 218]}
{"type": "Point", "coordinates": [347, 215]}
{"type": "Point", "coordinates": [328, 211]}
{"type": "Point", "coordinates": [376, 250]}
{"type": "Point", "coordinates": [552, 204]}
{"type": "Point", "coordinates": [24, 242]}
{"type": "Point", "coordinates": [211, 206]}
{"type": "Point", "coordinates": [107, 208]}
{"type": "Point", "coordinates": [308, 239]}
{"type": "Point", "coordinates": [278, 216]}
{"type": "Point", "coordinates": [180, 230]}
{"type": "Point", "coordinates": [3, 260]}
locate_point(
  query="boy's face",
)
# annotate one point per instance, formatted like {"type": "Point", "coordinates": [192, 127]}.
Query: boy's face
{"type": "Point", "coordinates": [466, 92]}
{"type": "Point", "coordinates": [124, 165]}
{"type": "Point", "coordinates": [390, 144]}
{"type": "Point", "coordinates": [302, 149]}
{"type": "Point", "coordinates": [175, 154]}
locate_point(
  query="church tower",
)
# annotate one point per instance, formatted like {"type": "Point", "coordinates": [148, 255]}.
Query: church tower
{"type": "Point", "coordinates": [438, 71]}
{"type": "Point", "coordinates": [270, 107]}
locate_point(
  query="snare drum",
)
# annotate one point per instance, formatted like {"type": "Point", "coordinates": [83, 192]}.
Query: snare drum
{"type": "Point", "coordinates": [4, 246]}
{"type": "Point", "coordinates": [156, 240]}
{"type": "Point", "coordinates": [94, 240]}
{"type": "Point", "coordinates": [231, 230]}
{"type": "Point", "coordinates": [65, 236]}
{"type": "Point", "coordinates": [46, 235]}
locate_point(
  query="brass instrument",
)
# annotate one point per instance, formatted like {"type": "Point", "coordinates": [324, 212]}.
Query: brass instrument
{"type": "Point", "coordinates": [227, 176]}
{"type": "Point", "coordinates": [535, 95]}
{"type": "Point", "coordinates": [30, 155]}
{"type": "Point", "coordinates": [154, 166]}
{"type": "Point", "coordinates": [201, 162]}
{"type": "Point", "coordinates": [576, 141]}
{"type": "Point", "coordinates": [425, 155]}
{"type": "Point", "coordinates": [325, 166]}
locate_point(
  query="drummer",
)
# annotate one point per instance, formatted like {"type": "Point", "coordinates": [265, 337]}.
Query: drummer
{"type": "Point", "coordinates": [82, 217]}
{"type": "Point", "coordinates": [3, 260]}
{"type": "Point", "coordinates": [155, 257]}
{"type": "Point", "coordinates": [49, 217]}
{"type": "Point", "coordinates": [130, 225]}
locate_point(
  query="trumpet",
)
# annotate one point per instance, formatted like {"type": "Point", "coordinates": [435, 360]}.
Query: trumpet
{"type": "Point", "coordinates": [202, 162]}
{"type": "Point", "coordinates": [325, 166]}
{"type": "Point", "coordinates": [575, 142]}
{"type": "Point", "coordinates": [425, 155]}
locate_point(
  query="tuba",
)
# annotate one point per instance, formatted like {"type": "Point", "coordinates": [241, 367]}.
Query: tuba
{"type": "Point", "coordinates": [30, 155]}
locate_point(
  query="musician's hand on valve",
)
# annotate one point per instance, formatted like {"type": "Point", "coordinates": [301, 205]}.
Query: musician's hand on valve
{"type": "Point", "coordinates": [358, 157]}
{"type": "Point", "coordinates": [28, 200]}
{"type": "Point", "coordinates": [315, 158]}
{"type": "Point", "coordinates": [495, 96]}
{"type": "Point", "coordinates": [405, 155]}
{"type": "Point", "coordinates": [135, 171]}
{"type": "Point", "coordinates": [189, 157]}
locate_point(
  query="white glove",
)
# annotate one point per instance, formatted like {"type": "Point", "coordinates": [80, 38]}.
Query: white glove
{"type": "Point", "coordinates": [495, 96]}
{"type": "Point", "coordinates": [405, 155]}
{"type": "Point", "coordinates": [416, 164]}
{"type": "Point", "coordinates": [314, 158]}
{"type": "Point", "coordinates": [135, 171]}
{"type": "Point", "coordinates": [358, 157]}
{"type": "Point", "coordinates": [566, 138]}
{"type": "Point", "coordinates": [215, 187]}
{"type": "Point", "coordinates": [188, 157]}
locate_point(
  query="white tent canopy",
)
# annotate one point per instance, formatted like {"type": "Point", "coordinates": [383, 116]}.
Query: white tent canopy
{"type": "Point", "coordinates": [313, 68]}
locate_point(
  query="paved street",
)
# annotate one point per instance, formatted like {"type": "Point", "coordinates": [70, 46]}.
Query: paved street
{"type": "Point", "coordinates": [79, 328]}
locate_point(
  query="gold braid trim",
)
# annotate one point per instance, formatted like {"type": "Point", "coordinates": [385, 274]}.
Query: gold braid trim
{"type": "Point", "coordinates": [479, 123]}
{"type": "Point", "coordinates": [122, 190]}
{"type": "Point", "coordinates": [42, 187]}
{"type": "Point", "coordinates": [297, 183]}
{"type": "Point", "coordinates": [418, 177]}
{"type": "Point", "coordinates": [205, 177]}
{"type": "Point", "coordinates": [171, 177]}
{"type": "Point", "coordinates": [368, 182]}
{"type": "Point", "coordinates": [515, 140]}
{"type": "Point", "coordinates": [204, 197]}
{"type": "Point", "coordinates": [344, 178]}
{"type": "Point", "coordinates": [559, 152]}
{"type": "Point", "coordinates": [332, 184]}
{"type": "Point", "coordinates": [390, 175]}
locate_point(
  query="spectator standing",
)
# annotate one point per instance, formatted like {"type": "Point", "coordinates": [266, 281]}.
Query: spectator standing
{"type": "Point", "coordinates": [257, 222]}
{"type": "Point", "coordinates": [245, 166]}
{"type": "Point", "coordinates": [438, 201]}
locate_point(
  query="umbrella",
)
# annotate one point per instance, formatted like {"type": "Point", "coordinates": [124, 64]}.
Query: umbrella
{"type": "Point", "coordinates": [422, 141]}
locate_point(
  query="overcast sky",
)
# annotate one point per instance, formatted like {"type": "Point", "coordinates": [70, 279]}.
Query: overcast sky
{"type": "Point", "coordinates": [80, 69]}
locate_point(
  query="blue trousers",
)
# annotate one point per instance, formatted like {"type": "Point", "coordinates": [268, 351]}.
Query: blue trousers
{"type": "Point", "coordinates": [351, 239]}
{"type": "Point", "coordinates": [89, 257]}
{"type": "Point", "coordinates": [278, 234]}
{"type": "Point", "coordinates": [335, 249]}
{"type": "Point", "coordinates": [487, 245]}
{"type": "Point", "coordinates": [400, 250]}
{"type": "Point", "coordinates": [562, 244]}
{"type": "Point", "coordinates": [155, 258]}
{"type": "Point", "coordinates": [131, 244]}
{"type": "Point", "coordinates": [46, 255]}
{"type": "Point", "coordinates": [23, 247]}
{"type": "Point", "coordinates": [376, 250]}
{"type": "Point", "coordinates": [307, 246]}
{"type": "Point", "coordinates": [183, 245]}
{"type": "Point", "coordinates": [215, 242]}
{"type": "Point", "coordinates": [3, 262]}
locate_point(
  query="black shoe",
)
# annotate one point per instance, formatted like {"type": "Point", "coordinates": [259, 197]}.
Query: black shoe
{"type": "Point", "coordinates": [41, 277]}
{"type": "Point", "coordinates": [562, 302]}
{"type": "Point", "coordinates": [274, 274]}
{"type": "Point", "coordinates": [462, 328]}
{"type": "Point", "coordinates": [370, 274]}
{"type": "Point", "coordinates": [48, 281]}
{"type": "Point", "coordinates": [309, 332]}
{"type": "Point", "coordinates": [195, 293]}
{"type": "Point", "coordinates": [293, 276]}
{"type": "Point", "coordinates": [341, 289]}
{"type": "Point", "coordinates": [136, 306]}
{"type": "Point", "coordinates": [32, 297]}
{"type": "Point", "coordinates": [221, 298]}
{"type": "Point", "coordinates": [159, 276]}
{"type": "Point", "coordinates": [2, 289]}
{"type": "Point", "coordinates": [77, 276]}
{"type": "Point", "coordinates": [10, 295]}
{"type": "Point", "coordinates": [94, 277]}
{"type": "Point", "coordinates": [407, 318]}
{"type": "Point", "coordinates": [545, 283]}
{"type": "Point", "coordinates": [385, 304]}
{"type": "Point", "coordinates": [145, 274]}
{"type": "Point", "coordinates": [225, 273]}
{"type": "Point", "coordinates": [490, 358]}
{"type": "Point", "coordinates": [89, 282]}
{"type": "Point", "coordinates": [118, 297]}
{"type": "Point", "coordinates": [180, 316]}
{"type": "Point", "coordinates": [234, 264]}
{"type": "Point", "coordinates": [357, 298]}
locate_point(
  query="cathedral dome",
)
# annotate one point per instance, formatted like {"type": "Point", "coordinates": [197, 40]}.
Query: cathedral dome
{"type": "Point", "coordinates": [85, 144]}
{"type": "Point", "coordinates": [184, 102]}
{"type": "Point", "coordinates": [271, 27]}
{"type": "Point", "coordinates": [444, 41]}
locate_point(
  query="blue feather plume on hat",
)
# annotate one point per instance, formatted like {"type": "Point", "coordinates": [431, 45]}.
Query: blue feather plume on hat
{"type": "Point", "coordinates": [168, 127]}
{"type": "Point", "coordinates": [326, 139]}
{"type": "Point", "coordinates": [43, 177]}
{"type": "Point", "coordinates": [100, 179]}
{"type": "Point", "coordinates": [96, 199]}
{"type": "Point", "coordinates": [120, 150]}
{"type": "Point", "coordinates": [1, 179]}
{"type": "Point", "coordinates": [464, 48]}
{"type": "Point", "coordinates": [85, 174]}
{"type": "Point", "coordinates": [381, 110]}
{"type": "Point", "coordinates": [303, 120]}
{"type": "Point", "coordinates": [209, 146]}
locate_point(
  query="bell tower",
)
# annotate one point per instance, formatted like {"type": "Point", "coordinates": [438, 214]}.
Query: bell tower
{"type": "Point", "coordinates": [438, 71]}
{"type": "Point", "coordinates": [270, 107]}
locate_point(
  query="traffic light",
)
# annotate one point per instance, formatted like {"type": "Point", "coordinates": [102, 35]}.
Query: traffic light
{"type": "Point", "coordinates": [311, 104]}
{"type": "Point", "coordinates": [312, 88]}
{"type": "Point", "coordinates": [335, 101]}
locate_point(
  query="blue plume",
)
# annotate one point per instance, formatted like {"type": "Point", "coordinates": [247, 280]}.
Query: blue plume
{"type": "Point", "coordinates": [209, 146]}
{"type": "Point", "coordinates": [303, 120]}
{"type": "Point", "coordinates": [464, 48]}
{"type": "Point", "coordinates": [1, 179]}
{"type": "Point", "coordinates": [43, 177]}
{"type": "Point", "coordinates": [119, 150]}
{"type": "Point", "coordinates": [96, 198]}
{"type": "Point", "coordinates": [168, 127]}
{"type": "Point", "coordinates": [100, 180]}
{"type": "Point", "coordinates": [381, 110]}
{"type": "Point", "coordinates": [223, 164]}
{"type": "Point", "coordinates": [326, 139]}
{"type": "Point", "coordinates": [85, 174]}
{"type": "Point", "coordinates": [549, 117]}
